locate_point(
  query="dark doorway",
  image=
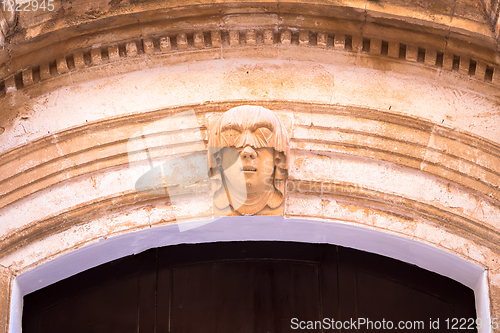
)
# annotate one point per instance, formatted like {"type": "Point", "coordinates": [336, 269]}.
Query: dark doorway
{"type": "Point", "coordinates": [251, 287]}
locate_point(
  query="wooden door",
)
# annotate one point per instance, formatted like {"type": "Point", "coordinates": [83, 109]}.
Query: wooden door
{"type": "Point", "coordinates": [247, 287]}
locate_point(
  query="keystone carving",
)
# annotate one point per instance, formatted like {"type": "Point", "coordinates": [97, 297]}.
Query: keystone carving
{"type": "Point", "coordinates": [248, 148]}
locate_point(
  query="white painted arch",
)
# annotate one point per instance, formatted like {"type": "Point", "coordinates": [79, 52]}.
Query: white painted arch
{"type": "Point", "coordinates": [254, 228]}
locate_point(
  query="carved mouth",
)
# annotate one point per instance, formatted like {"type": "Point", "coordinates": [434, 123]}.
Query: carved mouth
{"type": "Point", "coordinates": [249, 168]}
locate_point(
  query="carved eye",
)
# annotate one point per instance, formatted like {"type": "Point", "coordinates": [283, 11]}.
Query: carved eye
{"type": "Point", "coordinates": [230, 135]}
{"type": "Point", "coordinates": [264, 131]}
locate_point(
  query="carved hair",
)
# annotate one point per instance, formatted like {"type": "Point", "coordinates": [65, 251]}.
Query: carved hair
{"type": "Point", "coordinates": [245, 116]}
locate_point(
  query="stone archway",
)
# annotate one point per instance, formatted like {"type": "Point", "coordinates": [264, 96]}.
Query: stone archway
{"type": "Point", "coordinates": [254, 229]}
{"type": "Point", "coordinates": [392, 110]}
{"type": "Point", "coordinates": [250, 286]}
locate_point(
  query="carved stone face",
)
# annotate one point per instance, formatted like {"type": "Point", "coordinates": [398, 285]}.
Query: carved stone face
{"type": "Point", "coordinates": [249, 144]}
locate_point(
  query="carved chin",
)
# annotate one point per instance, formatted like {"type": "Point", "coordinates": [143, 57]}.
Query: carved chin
{"type": "Point", "coordinates": [253, 205]}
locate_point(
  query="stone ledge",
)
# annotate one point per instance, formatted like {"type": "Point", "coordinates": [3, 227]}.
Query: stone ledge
{"type": "Point", "coordinates": [448, 56]}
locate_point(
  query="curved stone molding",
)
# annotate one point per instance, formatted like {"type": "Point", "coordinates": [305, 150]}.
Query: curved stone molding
{"type": "Point", "coordinates": [353, 198]}
{"type": "Point", "coordinates": [356, 198]}
{"type": "Point", "coordinates": [96, 209]}
{"type": "Point", "coordinates": [450, 155]}
{"type": "Point", "coordinates": [367, 135]}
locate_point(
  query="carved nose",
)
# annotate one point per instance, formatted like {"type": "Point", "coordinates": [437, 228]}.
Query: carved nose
{"type": "Point", "coordinates": [247, 139]}
{"type": "Point", "coordinates": [248, 152]}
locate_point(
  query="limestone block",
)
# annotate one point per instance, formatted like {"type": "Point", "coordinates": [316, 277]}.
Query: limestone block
{"type": "Point", "coordinates": [339, 41]}
{"type": "Point", "coordinates": [131, 49]}
{"type": "Point", "coordinates": [448, 61]}
{"type": "Point", "coordinates": [494, 287]}
{"type": "Point", "coordinates": [215, 37]}
{"type": "Point", "coordinates": [375, 45]}
{"type": "Point", "coordinates": [45, 71]}
{"type": "Point", "coordinates": [78, 59]}
{"type": "Point", "coordinates": [234, 37]}
{"type": "Point", "coordinates": [181, 42]}
{"type": "Point", "coordinates": [412, 53]}
{"type": "Point", "coordinates": [251, 37]}
{"type": "Point", "coordinates": [268, 37]}
{"type": "Point", "coordinates": [357, 43]}
{"type": "Point", "coordinates": [430, 57]}
{"type": "Point", "coordinates": [10, 84]}
{"type": "Point", "coordinates": [393, 49]}
{"type": "Point", "coordinates": [113, 52]}
{"type": "Point", "coordinates": [95, 55]}
{"type": "Point", "coordinates": [496, 75]}
{"type": "Point", "coordinates": [199, 40]}
{"type": "Point", "coordinates": [147, 44]}
{"type": "Point", "coordinates": [27, 77]}
{"type": "Point", "coordinates": [165, 44]}
{"type": "Point", "coordinates": [304, 37]}
{"type": "Point", "coordinates": [464, 65]}
{"type": "Point", "coordinates": [5, 286]}
{"type": "Point", "coordinates": [480, 70]}
{"type": "Point", "coordinates": [322, 39]}
{"type": "Point", "coordinates": [286, 37]}
{"type": "Point", "coordinates": [62, 65]}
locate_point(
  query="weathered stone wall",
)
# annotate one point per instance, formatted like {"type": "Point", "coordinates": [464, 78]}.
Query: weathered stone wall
{"type": "Point", "coordinates": [392, 128]}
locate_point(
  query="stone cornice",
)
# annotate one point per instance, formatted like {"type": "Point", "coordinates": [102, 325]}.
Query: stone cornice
{"type": "Point", "coordinates": [89, 56]}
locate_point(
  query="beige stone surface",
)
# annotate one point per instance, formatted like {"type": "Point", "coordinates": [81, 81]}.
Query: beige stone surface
{"type": "Point", "coordinates": [44, 71]}
{"type": "Point", "coordinates": [199, 40]}
{"type": "Point", "coordinates": [28, 77]}
{"type": "Point", "coordinates": [286, 37]}
{"type": "Point", "coordinates": [6, 278]}
{"type": "Point", "coordinates": [393, 50]}
{"type": "Point", "coordinates": [412, 53]}
{"type": "Point", "coordinates": [165, 44]}
{"type": "Point", "coordinates": [148, 46]}
{"type": "Point", "coordinates": [216, 38]}
{"type": "Point", "coordinates": [407, 146]}
{"type": "Point", "coordinates": [339, 41]}
{"type": "Point", "coordinates": [251, 37]}
{"type": "Point", "coordinates": [443, 103]}
{"type": "Point", "coordinates": [78, 59]}
{"type": "Point", "coordinates": [234, 37]}
{"type": "Point", "coordinates": [268, 37]}
{"type": "Point", "coordinates": [494, 283]}
{"type": "Point", "coordinates": [95, 55]}
{"type": "Point", "coordinates": [113, 52]}
{"type": "Point", "coordinates": [131, 49]}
